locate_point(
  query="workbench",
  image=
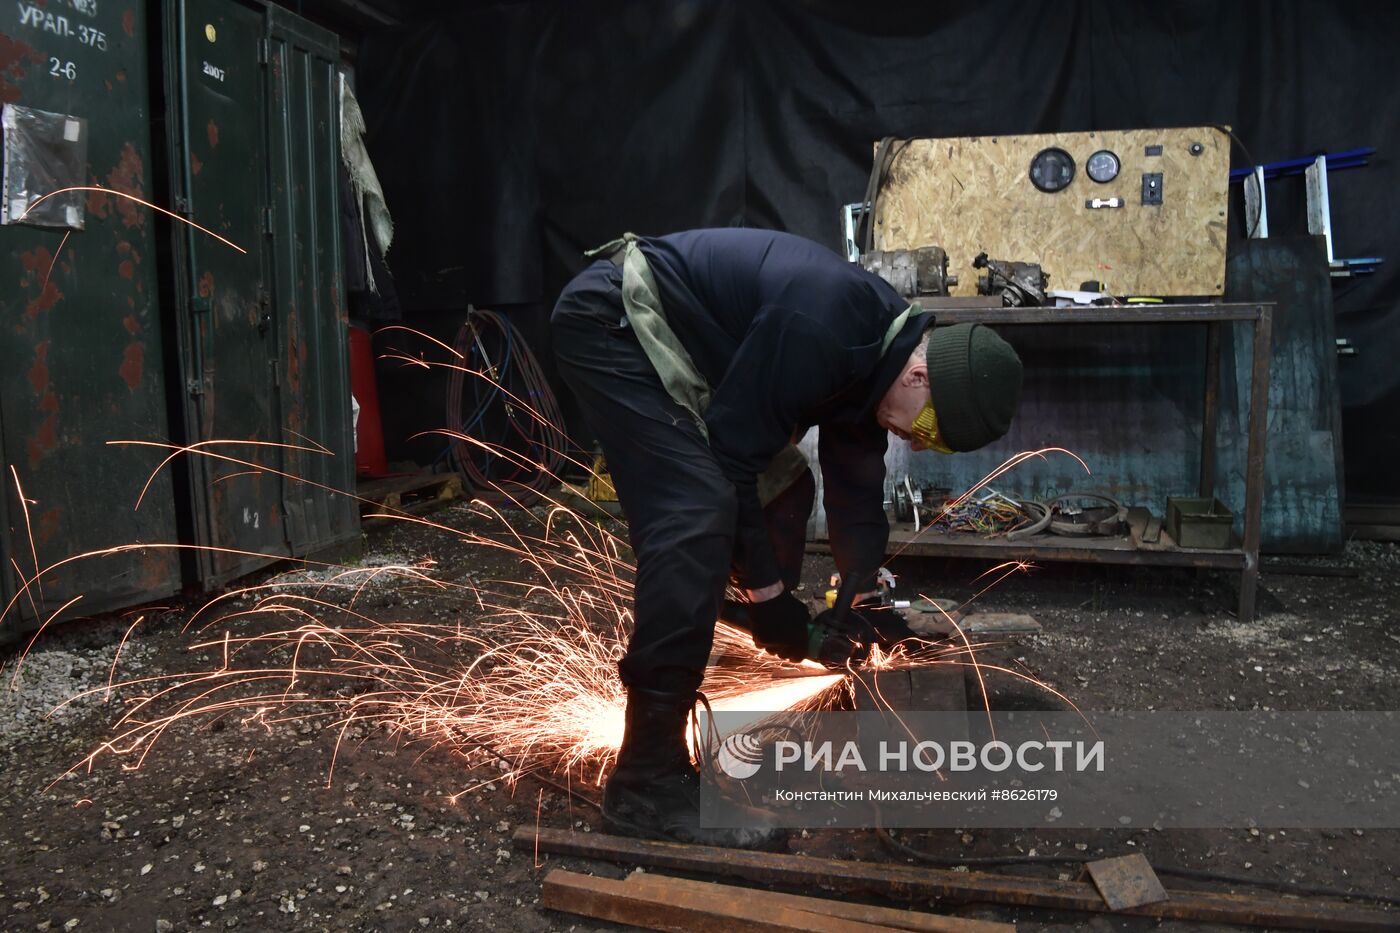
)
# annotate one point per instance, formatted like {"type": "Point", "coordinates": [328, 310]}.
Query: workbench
{"type": "Point", "coordinates": [1242, 556]}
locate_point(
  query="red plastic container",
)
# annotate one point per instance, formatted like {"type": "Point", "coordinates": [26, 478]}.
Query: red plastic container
{"type": "Point", "coordinates": [369, 431]}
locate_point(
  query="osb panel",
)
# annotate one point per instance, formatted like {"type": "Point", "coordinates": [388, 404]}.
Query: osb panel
{"type": "Point", "coordinates": [974, 194]}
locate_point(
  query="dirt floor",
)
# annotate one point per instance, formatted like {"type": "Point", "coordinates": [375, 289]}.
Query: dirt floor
{"type": "Point", "coordinates": [232, 823]}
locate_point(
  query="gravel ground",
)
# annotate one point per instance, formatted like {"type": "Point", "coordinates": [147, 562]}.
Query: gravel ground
{"type": "Point", "coordinates": [233, 823]}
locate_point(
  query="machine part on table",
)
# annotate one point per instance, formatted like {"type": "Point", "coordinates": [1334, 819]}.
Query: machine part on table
{"type": "Point", "coordinates": [1020, 284]}
{"type": "Point", "coordinates": [916, 504]}
{"type": "Point", "coordinates": [1070, 517]}
{"type": "Point", "coordinates": [1041, 515]}
{"type": "Point", "coordinates": [913, 273]}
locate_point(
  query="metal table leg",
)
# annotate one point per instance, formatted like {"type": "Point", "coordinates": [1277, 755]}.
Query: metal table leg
{"type": "Point", "coordinates": [1210, 416]}
{"type": "Point", "coordinates": [1254, 466]}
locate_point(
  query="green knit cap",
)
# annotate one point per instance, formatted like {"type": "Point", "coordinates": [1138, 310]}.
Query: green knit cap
{"type": "Point", "coordinates": [974, 382]}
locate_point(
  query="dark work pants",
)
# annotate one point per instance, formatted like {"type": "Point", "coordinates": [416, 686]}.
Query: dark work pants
{"type": "Point", "coordinates": [680, 507]}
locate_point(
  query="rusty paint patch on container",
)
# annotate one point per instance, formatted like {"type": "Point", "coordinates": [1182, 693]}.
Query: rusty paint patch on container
{"type": "Point", "coordinates": [47, 525]}
{"type": "Point", "coordinates": [213, 130]}
{"type": "Point", "coordinates": [37, 262]}
{"type": "Point", "coordinates": [132, 325]}
{"type": "Point", "coordinates": [12, 69]}
{"type": "Point", "coordinates": [157, 569]}
{"type": "Point", "coordinates": [128, 177]}
{"type": "Point", "coordinates": [39, 372]}
{"type": "Point", "coordinates": [295, 355]}
{"type": "Point", "coordinates": [133, 364]}
{"type": "Point", "coordinates": [129, 22]}
{"type": "Point", "coordinates": [43, 440]}
{"type": "Point", "coordinates": [195, 164]}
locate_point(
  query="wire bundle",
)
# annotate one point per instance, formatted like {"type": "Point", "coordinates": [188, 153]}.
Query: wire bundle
{"type": "Point", "coordinates": [992, 515]}
{"type": "Point", "coordinates": [510, 440]}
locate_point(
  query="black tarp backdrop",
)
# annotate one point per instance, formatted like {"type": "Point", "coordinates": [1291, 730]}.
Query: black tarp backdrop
{"type": "Point", "coordinates": [512, 136]}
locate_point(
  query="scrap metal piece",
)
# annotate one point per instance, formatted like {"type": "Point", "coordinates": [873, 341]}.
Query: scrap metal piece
{"type": "Point", "coordinates": [1126, 881]}
{"type": "Point", "coordinates": [936, 688]}
{"type": "Point", "coordinates": [1020, 284]}
{"type": "Point", "coordinates": [1070, 516]}
{"type": "Point", "coordinates": [913, 273]}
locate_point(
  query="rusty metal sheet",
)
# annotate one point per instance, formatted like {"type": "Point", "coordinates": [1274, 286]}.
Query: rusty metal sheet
{"type": "Point", "coordinates": [81, 359]}
{"type": "Point", "coordinates": [1126, 881]}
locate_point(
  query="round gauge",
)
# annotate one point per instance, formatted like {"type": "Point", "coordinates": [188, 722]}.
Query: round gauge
{"type": "Point", "coordinates": [1103, 166]}
{"type": "Point", "coordinates": [1052, 170]}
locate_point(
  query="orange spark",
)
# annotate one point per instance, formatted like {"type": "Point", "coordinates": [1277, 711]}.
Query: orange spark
{"type": "Point", "coordinates": [130, 197]}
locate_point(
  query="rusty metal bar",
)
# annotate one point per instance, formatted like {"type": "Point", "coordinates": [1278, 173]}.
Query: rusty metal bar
{"type": "Point", "coordinates": [1254, 462]}
{"type": "Point", "coordinates": [1118, 314]}
{"type": "Point", "coordinates": [907, 882]}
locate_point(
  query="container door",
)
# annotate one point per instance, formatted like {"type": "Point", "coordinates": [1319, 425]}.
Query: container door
{"type": "Point", "coordinates": [215, 63]}
{"type": "Point", "coordinates": [308, 272]}
{"type": "Point", "coordinates": [81, 357]}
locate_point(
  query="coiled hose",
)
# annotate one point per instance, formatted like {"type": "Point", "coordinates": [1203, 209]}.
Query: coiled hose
{"type": "Point", "coordinates": [512, 438]}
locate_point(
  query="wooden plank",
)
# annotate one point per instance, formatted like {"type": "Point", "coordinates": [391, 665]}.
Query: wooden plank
{"type": "Point", "coordinates": [408, 493]}
{"type": "Point", "coordinates": [900, 919]}
{"type": "Point", "coordinates": [682, 912]}
{"type": "Point", "coordinates": [908, 882]}
{"type": "Point", "coordinates": [974, 194]}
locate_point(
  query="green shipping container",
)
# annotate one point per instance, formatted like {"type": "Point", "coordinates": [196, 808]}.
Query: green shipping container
{"type": "Point", "coordinates": [81, 359]}
{"type": "Point", "coordinates": [242, 343]}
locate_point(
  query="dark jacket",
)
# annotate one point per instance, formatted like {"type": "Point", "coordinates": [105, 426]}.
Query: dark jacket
{"type": "Point", "coordinates": [788, 335]}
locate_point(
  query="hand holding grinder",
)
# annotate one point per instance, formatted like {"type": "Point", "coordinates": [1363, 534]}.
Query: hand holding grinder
{"type": "Point", "coordinates": [839, 637]}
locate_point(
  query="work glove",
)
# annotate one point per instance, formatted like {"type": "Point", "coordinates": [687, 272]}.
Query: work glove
{"type": "Point", "coordinates": [837, 642]}
{"type": "Point", "coordinates": [888, 623]}
{"type": "Point", "coordinates": [780, 626]}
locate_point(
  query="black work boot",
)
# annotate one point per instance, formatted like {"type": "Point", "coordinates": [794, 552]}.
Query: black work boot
{"type": "Point", "coordinates": [654, 790]}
